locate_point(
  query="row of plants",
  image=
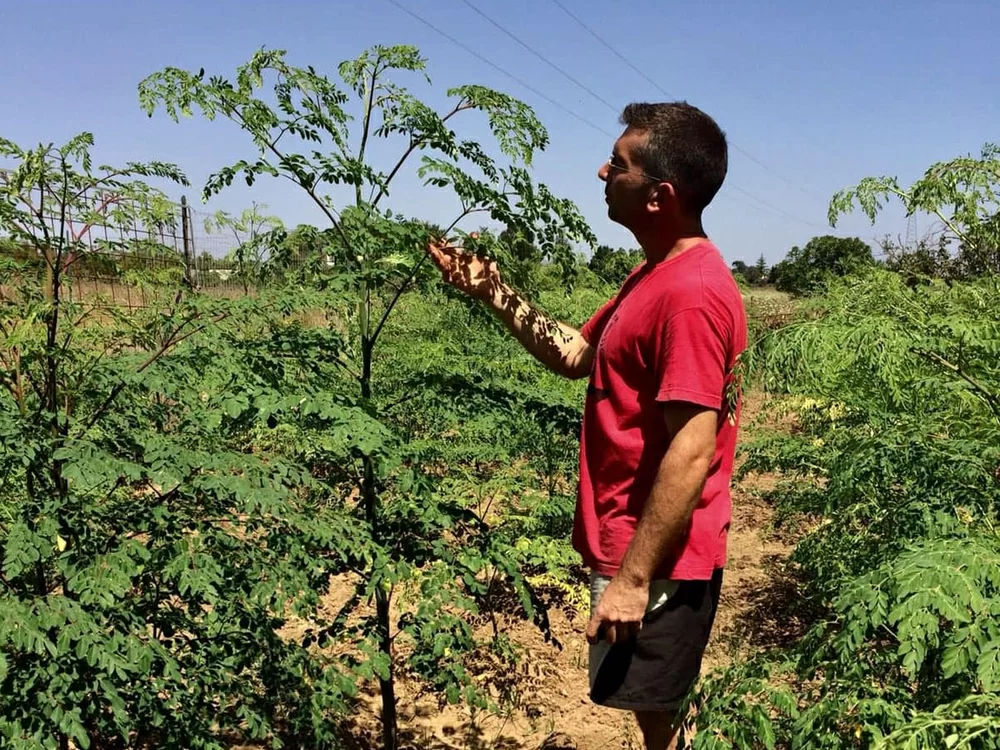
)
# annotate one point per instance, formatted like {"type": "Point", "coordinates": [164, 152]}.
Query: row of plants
{"type": "Point", "coordinates": [892, 475]}
{"type": "Point", "coordinates": [226, 519]}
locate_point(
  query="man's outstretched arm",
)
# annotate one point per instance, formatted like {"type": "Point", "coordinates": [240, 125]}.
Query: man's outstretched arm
{"type": "Point", "coordinates": [561, 348]}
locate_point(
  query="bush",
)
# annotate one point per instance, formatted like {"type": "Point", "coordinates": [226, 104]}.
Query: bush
{"type": "Point", "coordinates": [809, 269]}
{"type": "Point", "coordinates": [897, 398]}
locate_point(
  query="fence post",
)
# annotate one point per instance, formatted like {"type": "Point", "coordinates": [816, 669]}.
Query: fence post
{"type": "Point", "coordinates": [189, 269]}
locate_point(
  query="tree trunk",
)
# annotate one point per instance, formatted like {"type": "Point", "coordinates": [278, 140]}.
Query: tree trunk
{"type": "Point", "coordinates": [387, 686]}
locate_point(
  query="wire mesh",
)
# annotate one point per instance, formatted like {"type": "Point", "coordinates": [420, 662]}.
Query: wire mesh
{"type": "Point", "coordinates": [104, 264]}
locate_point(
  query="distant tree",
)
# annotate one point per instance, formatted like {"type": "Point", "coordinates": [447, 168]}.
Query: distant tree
{"type": "Point", "coordinates": [926, 259]}
{"type": "Point", "coordinates": [754, 275]}
{"type": "Point", "coordinates": [807, 269]}
{"type": "Point", "coordinates": [761, 268]}
{"type": "Point", "coordinates": [614, 264]}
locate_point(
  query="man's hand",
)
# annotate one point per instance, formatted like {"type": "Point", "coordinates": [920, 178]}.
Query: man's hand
{"type": "Point", "coordinates": [477, 277]}
{"type": "Point", "coordinates": [556, 345]}
{"type": "Point", "coordinates": [619, 611]}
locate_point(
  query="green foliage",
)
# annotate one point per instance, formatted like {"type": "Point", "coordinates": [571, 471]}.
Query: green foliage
{"type": "Point", "coordinates": [896, 396]}
{"type": "Point", "coordinates": [614, 265]}
{"type": "Point", "coordinates": [434, 552]}
{"type": "Point", "coordinates": [256, 236]}
{"type": "Point", "coordinates": [810, 268]}
{"type": "Point", "coordinates": [148, 557]}
{"type": "Point", "coordinates": [961, 193]}
{"type": "Point", "coordinates": [171, 530]}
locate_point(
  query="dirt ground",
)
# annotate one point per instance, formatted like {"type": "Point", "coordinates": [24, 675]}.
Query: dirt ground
{"type": "Point", "coordinates": [556, 712]}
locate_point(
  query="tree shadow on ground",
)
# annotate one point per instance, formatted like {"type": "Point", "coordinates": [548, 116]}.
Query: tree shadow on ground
{"type": "Point", "coordinates": [777, 614]}
{"type": "Point", "coordinates": [467, 738]}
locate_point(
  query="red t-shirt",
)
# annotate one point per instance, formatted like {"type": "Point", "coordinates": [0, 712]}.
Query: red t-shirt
{"type": "Point", "coordinates": [672, 333]}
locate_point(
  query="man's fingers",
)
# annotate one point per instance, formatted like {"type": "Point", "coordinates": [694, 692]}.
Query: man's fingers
{"type": "Point", "coordinates": [600, 629]}
{"type": "Point", "coordinates": [593, 628]}
{"type": "Point", "coordinates": [612, 634]}
{"type": "Point", "coordinates": [436, 255]}
{"type": "Point", "coordinates": [443, 259]}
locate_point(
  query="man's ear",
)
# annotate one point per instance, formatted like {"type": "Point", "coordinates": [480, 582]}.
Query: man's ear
{"type": "Point", "coordinates": [661, 196]}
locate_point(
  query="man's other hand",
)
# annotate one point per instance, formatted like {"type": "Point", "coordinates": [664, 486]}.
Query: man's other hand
{"type": "Point", "coordinates": [619, 612]}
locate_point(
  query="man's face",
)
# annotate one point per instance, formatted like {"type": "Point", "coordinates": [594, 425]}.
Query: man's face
{"type": "Point", "coordinates": [631, 194]}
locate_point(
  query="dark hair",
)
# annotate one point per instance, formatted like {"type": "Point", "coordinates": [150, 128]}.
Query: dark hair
{"type": "Point", "coordinates": [685, 147]}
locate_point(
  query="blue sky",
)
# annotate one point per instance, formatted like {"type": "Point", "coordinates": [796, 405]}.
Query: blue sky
{"type": "Point", "coordinates": [821, 93]}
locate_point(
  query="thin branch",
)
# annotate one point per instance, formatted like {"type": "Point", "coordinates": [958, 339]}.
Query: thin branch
{"type": "Point", "coordinates": [20, 228]}
{"type": "Point", "coordinates": [8, 384]}
{"type": "Point", "coordinates": [410, 277]}
{"type": "Point", "coordinates": [907, 197]}
{"type": "Point", "coordinates": [414, 144]}
{"type": "Point", "coordinates": [175, 341]}
{"type": "Point", "coordinates": [402, 400]}
{"type": "Point", "coordinates": [86, 370]}
{"type": "Point", "coordinates": [100, 209]}
{"type": "Point", "coordinates": [95, 181]}
{"type": "Point", "coordinates": [312, 193]}
{"type": "Point", "coordinates": [366, 128]}
{"type": "Point", "coordinates": [286, 129]}
{"type": "Point", "coordinates": [62, 228]}
{"type": "Point", "coordinates": [987, 395]}
{"type": "Point", "coordinates": [347, 366]}
{"type": "Point", "coordinates": [35, 387]}
{"type": "Point", "coordinates": [40, 213]}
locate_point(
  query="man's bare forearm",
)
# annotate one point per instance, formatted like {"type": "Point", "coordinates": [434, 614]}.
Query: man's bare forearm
{"type": "Point", "coordinates": [673, 498]}
{"type": "Point", "coordinates": [556, 345]}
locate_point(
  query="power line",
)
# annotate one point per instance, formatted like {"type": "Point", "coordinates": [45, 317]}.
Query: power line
{"type": "Point", "coordinates": [611, 49]}
{"type": "Point", "coordinates": [663, 91]}
{"type": "Point", "coordinates": [777, 210]}
{"type": "Point", "coordinates": [552, 101]}
{"type": "Point", "coordinates": [543, 58]}
{"type": "Point", "coordinates": [502, 70]}
{"type": "Point", "coordinates": [608, 104]}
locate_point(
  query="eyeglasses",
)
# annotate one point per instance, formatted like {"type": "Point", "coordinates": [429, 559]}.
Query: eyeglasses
{"type": "Point", "coordinates": [648, 176]}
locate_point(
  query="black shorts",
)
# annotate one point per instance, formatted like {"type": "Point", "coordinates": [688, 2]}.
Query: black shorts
{"type": "Point", "coordinates": [655, 670]}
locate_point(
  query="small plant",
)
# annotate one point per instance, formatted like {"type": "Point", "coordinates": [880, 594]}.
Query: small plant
{"type": "Point", "coordinates": [256, 235]}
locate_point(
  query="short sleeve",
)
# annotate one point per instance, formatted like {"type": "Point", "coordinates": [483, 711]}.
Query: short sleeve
{"type": "Point", "coordinates": [689, 358]}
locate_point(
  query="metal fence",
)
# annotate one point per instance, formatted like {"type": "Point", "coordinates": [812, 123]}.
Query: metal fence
{"type": "Point", "coordinates": [111, 266]}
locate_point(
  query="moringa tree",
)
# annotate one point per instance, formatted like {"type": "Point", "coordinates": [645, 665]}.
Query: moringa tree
{"type": "Point", "coordinates": [319, 134]}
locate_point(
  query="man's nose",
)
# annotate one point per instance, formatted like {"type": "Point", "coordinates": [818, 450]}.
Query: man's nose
{"type": "Point", "coordinates": [602, 173]}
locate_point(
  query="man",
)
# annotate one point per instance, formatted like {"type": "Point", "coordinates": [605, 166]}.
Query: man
{"type": "Point", "coordinates": [661, 414]}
